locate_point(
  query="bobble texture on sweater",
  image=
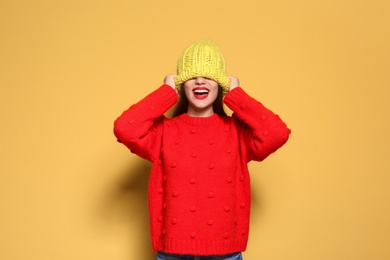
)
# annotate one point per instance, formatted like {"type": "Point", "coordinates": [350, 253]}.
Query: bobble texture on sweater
{"type": "Point", "coordinates": [199, 187]}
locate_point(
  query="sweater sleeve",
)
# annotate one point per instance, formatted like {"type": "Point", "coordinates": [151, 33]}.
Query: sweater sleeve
{"type": "Point", "coordinates": [262, 131]}
{"type": "Point", "coordinates": [139, 128]}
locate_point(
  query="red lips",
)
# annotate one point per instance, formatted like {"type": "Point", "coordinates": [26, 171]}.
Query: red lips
{"type": "Point", "coordinates": [200, 92]}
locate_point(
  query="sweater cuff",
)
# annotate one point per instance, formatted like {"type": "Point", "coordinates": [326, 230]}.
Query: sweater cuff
{"type": "Point", "coordinates": [246, 107]}
{"type": "Point", "coordinates": [237, 100]}
{"type": "Point", "coordinates": [162, 99]}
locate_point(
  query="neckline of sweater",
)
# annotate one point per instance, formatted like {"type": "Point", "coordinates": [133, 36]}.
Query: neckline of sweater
{"type": "Point", "coordinates": [210, 120]}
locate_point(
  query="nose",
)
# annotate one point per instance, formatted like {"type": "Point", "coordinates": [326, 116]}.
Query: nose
{"type": "Point", "coordinates": [200, 81]}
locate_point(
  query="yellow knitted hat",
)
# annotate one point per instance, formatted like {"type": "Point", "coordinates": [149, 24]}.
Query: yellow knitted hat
{"type": "Point", "coordinates": [202, 59]}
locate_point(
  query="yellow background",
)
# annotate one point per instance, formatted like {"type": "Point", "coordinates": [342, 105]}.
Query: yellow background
{"type": "Point", "coordinates": [69, 68]}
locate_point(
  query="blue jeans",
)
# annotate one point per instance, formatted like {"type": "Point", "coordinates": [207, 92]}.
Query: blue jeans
{"type": "Point", "coordinates": [164, 256]}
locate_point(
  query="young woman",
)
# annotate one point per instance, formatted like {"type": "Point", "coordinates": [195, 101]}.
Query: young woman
{"type": "Point", "coordinates": [199, 186]}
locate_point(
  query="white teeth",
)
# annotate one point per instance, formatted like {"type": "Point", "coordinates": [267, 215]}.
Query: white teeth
{"type": "Point", "coordinates": [200, 91]}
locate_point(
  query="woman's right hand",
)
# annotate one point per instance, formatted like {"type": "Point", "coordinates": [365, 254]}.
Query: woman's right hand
{"type": "Point", "coordinates": [170, 80]}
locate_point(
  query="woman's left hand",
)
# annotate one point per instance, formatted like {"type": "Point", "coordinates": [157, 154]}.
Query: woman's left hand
{"type": "Point", "coordinates": [234, 82]}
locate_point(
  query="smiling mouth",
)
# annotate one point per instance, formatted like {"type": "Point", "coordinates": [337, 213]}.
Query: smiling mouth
{"type": "Point", "coordinates": [201, 93]}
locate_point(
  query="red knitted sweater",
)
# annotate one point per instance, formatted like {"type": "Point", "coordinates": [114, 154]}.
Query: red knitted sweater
{"type": "Point", "coordinates": [199, 187]}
